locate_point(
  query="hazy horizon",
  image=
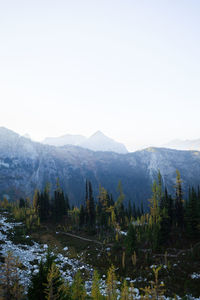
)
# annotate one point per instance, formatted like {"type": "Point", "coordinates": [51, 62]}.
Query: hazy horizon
{"type": "Point", "coordinates": [129, 69]}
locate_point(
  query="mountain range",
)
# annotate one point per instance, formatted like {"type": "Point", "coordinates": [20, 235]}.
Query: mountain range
{"type": "Point", "coordinates": [26, 165]}
{"type": "Point", "coordinates": [183, 144]}
{"type": "Point", "coordinates": [96, 142]}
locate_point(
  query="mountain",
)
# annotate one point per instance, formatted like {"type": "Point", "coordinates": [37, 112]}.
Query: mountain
{"type": "Point", "coordinates": [184, 144]}
{"type": "Point", "coordinates": [67, 139]}
{"type": "Point", "coordinates": [97, 142]}
{"type": "Point", "coordinates": [26, 165]}
{"type": "Point", "coordinates": [100, 142]}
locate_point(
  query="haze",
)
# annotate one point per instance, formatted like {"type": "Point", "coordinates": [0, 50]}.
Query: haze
{"type": "Point", "coordinates": [127, 68]}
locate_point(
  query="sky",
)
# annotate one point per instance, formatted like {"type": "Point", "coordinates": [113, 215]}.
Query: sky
{"type": "Point", "coordinates": [128, 68]}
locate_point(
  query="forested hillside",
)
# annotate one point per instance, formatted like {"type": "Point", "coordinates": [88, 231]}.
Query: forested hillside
{"type": "Point", "coordinates": [26, 166]}
{"type": "Point", "coordinates": [141, 252]}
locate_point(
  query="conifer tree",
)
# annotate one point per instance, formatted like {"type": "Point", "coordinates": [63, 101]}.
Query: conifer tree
{"type": "Point", "coordinates": [21, 203]}
{"type": "Point", "coordinates": [78, 289]}
{"type": "Point", "coordinates": [192, 214]}
{"type": "Point", "coordinates": [36, 201]}
{"type": "Point", "coordinates": [54, 282]}
{"type": "Point", "coordinates": [131, 239]}
{"type": "Point", "coordinates": [91, 206]}
{"type": "Point", "coordinates": [119, 206]}
{"type": "Point", "coordinates": [81, 216]}
{"type": "Point", "coordinates": [129, 210]}
{"type": "Point", "coordinates": [36, 289]}
{"type": "Point", "coordinates": [111, 287]}
{"type": "Point", "coordinates": [9, 275]}
{"type": "Point", "coordinates": [179, 211]}
{"type": "Point", "coordinates": [96, 295]}
{"type": "Point", "coordinates": [124, 291]}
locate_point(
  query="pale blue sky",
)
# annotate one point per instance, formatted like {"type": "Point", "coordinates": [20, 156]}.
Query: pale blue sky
{"type": "Point", "coordinates": [128, 68]}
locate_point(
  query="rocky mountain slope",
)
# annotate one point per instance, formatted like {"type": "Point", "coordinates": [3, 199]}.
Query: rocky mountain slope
{"type": "Point", "coordinates": [26, 165]}
{"type": "Point", "coordinates": [96, 142]}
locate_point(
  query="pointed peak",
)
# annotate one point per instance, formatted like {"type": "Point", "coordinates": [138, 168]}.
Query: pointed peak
{"type": "Point", "coordinates": [98, 133]}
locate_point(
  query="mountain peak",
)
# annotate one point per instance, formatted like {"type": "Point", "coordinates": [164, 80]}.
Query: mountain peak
{"type": "Point", "coordinates": [100, 142]}
{"type": "Point", "coordinates": [98, 133]}
{"type": "Point", "coordinates": [96, 142]}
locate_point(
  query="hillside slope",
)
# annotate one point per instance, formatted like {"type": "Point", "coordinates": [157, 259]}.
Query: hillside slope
{"type": "Point", "coordinates": [26, 165]}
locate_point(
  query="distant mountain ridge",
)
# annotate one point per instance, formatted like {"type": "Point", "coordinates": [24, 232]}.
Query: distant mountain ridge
{"type": "Point", "coordinates": [67, 139]}
{"type": "Point", "coordinates": [183, 144]}
{"type": "Point", "coordinates": [97, 142]}
{"type": "Point", "coordinates": [26, 165]}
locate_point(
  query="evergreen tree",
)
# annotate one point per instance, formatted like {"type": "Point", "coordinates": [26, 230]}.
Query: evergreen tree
{"type": "Point", "coordinates": [131, 239]}
{"type": "Point", "coordinates": [36, 201]}
{"type": "Point", "coordinates": [119, 206]}
{"type": "Point", "coordinates": [192, 215]}
{"type": "Point", "coordinates": [21, 203]}
{"type": "Point", "coordinates": [179, 211]}
{"type": "Point", "coordinates": [129, 211]}
{"type": "Point", "coordinates": [124, 291]}
{"type": "Point", "coordinates": [111, 286]}
{"type": "Point", "coordinates": [96, 295]}
{"type": "Point", "coordinates": [134, 211]}
{"type": "Point", "coordinates": [36, 289]}
{"type": "Point", "coordinates": [91, 207]}
{"type": "Point", "coordinates": [78, 289]}
{"type": "Point", "coordinates": [54, 284]}
{"type": "Point", "coordinates": [81, 216]}
{"type": "Point", "coordinates": [59, 205]}
{"type": "Point", "coordinates": [9, 275]}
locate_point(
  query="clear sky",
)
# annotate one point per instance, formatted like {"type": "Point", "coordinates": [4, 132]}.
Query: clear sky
{"type": "Point", "coordinates": [128, 68]}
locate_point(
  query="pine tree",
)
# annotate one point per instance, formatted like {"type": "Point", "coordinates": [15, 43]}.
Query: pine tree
{"type": "Point", "coordinates": [111, 286]}
{"type": "Point", "coordinates": [124, 291]}
{"type": "Point", "coordinates": [96, 295]}
{"type": "Point", "coordinates": [192, 214]}
{"type": "Point", "coordinates": [59, 205]}
{"type": "Point", "coordinates": [21, 203]}
{"type": "Point", "coordinates": [78, 289]}
{"type": "Point", "coordinates": [36, 201]}
{"type": "Point", "coordinates": [54, 282]}
{"type": "Point", "coordinates": [129, 210]}
{"type": "Point", "coordinates": [179, 211]}
{"type": "Point", "coordinates": [81, 216]}
{"type": "Point", "coordinates": [103, 208]}
{"type": "Point", "coordinates": [134, 213]}
{"type": "Point", "coordinates": [131, 239]}
{"type": "Point", "coordinates": [36, 289]}
{"type": "Point", "coordinates": [9, 274]}
{"type": "Point", "coordinates": [119, 206]}
{"type": "Point", "coordinates": [91, 207]}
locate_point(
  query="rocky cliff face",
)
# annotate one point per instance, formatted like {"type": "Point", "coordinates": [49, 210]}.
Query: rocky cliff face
{"type": "Point", "coordinates": [26, 165]}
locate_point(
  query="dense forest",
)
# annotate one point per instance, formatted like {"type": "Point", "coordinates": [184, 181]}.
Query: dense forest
{"type": "Point", "coordinates": [137, 239]}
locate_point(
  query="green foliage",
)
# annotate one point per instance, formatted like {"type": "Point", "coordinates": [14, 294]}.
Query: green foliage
{"type": "Point", "coordinates": [55, 287]}
{"type": "Point", "coordinates": [124, 291]}
{"type": "Point", "coordinates": [179, 212]}
{"type": "Point", "coordinates": [131, 239]}
{"type": "Point", "coordinates": [9, 275]}
{"type": "Point", "coordinates": [95, 293]}
{"type": "Point", "coordinates": [39, 282]}
{"type": "Point", "coordinates": [111, 286]}
{"type": "Point", "coordinates": [155, 290]}
{"type": "Point", "coordinates": [78, 289]}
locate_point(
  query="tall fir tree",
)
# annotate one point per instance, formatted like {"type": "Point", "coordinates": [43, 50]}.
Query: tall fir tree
{"type": "Point", "coordinates": [178, 207]}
